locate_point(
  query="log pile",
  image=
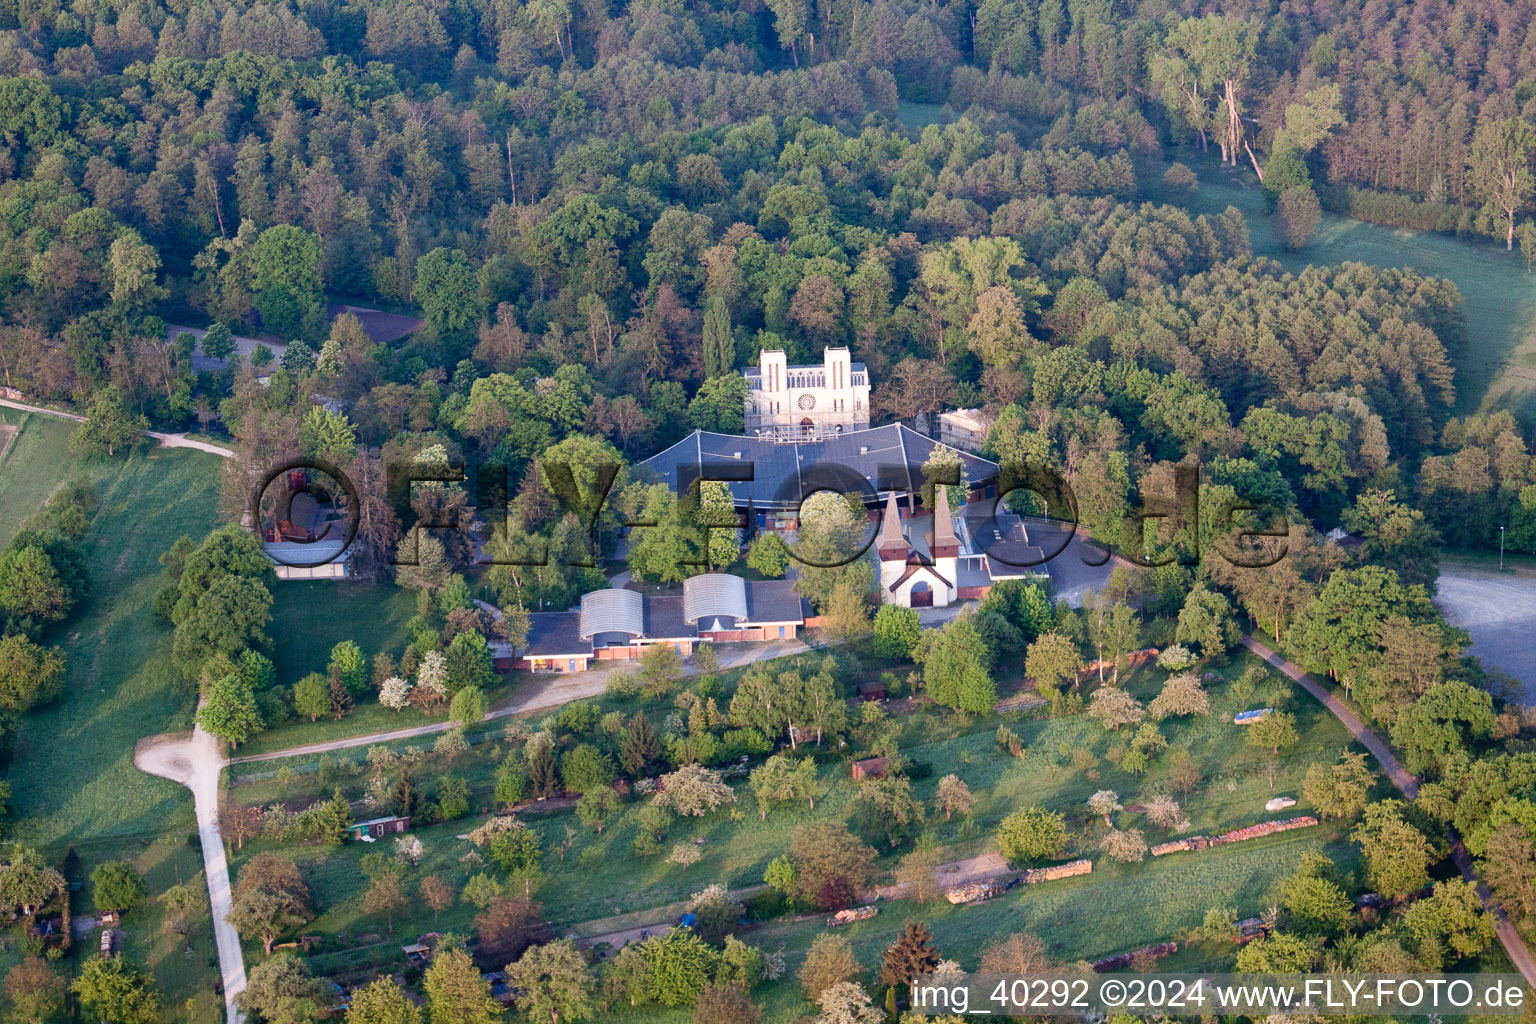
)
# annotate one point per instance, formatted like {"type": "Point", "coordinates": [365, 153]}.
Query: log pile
{"type": "Point", "coordinates": [1179, 846]}
{"type": "Point", "coordinates": [1250, 928]}
{"type": "Point", "coordinates": [1055, 871]}
{"type": "Point", "coordinates": [1124, 960]}
{"type": "Point", "coordinates": [1267, 828]}
{"type": "Point", "coordinates": [852, 914]}
{"type": "Point", "coordinates": [974, 892]}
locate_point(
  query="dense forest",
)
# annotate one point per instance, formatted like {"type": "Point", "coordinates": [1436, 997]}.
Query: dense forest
{"type": "Point", "coordinates": [602, 210]}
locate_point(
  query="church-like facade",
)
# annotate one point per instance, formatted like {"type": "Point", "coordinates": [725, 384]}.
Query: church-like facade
{"type": "Point", "coordinates": [915, 578]}
{"type": "Point", "coordinates": [950, 561]}
{"type": "Point", "coordinates": [802, 403]}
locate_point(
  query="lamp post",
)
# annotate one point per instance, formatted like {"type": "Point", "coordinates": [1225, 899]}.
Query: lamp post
{"type": "Point", "coordinates": [1501, 549]}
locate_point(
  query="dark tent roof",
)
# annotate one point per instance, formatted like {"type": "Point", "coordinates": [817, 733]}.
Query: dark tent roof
{"type": "Point", "coordinates": [773, 601]}
{"type": "Point", "coordinates": [556, 633]}
{"type": "Point", "coordinates": [381, 327]}
{"type": "Point", "coordinates": [779, 475]}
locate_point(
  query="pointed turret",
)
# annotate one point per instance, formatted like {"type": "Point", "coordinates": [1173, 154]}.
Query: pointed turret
{"type": "Point", "coordinates": [891, 545]}
{"type": "Point", "coordinates": [945, 543]}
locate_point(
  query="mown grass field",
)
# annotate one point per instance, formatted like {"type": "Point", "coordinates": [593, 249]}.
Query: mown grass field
{"type": "Point", "coordinates": [71, 772]}
{"type": "Point", "coordinates": [30, 469]}
{"type": "Point", "coordinates": [311, 617]}
{"type": "Point", "coordinates": [600, 877]}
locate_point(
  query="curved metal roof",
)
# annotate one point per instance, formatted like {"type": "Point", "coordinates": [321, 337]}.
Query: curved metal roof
{"type": "Point", "coordinates": [612, 611]}
{"type": "Point", "coordinates": [714, 594]}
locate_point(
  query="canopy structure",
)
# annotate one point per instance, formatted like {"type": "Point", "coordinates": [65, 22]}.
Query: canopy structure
{"type": "Point", "coordinates": [612, 611]}
{"type": "Point", "coordinates": [714, 594]}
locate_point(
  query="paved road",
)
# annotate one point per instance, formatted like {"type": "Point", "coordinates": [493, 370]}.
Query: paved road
{"type": "Point", "coordinates": [1514, 945]}
{"type": "Point", "coordinates": [196, 762]}
{"type": "Point", "coordinates": [166, 440]}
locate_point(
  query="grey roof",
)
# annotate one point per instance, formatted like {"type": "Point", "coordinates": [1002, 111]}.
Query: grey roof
{"type": "Point", "coordinates": [773, 601]}
{"type": "Point", "coordinates": [773, 474]}
{"type": "Point", "coordinates": [302, 553]}
{"type": "Point", "coordinates": [1009, 549]}
{"type": "Point", "coordinates": [713, 594]}
{"type": "Point", "coordinates": [552, 634]}
{"type": "Point", "coordinates": [968, 574]}
{"type": "Point", "coordinates": [664, 619]}
{"type": "Point", "coordinates": [612, 611]}
{"type": "Point", "coordinates": [380, 327]}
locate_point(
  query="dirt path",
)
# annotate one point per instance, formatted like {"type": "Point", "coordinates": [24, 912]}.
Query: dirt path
{"type": "Point", "coordinates": [955, 873]}
{"type": "Point", "coordinates": [554, 690]}
{"type": "Point", "coordinates": [1406, 784]}
{"type": "Point", "coordinates": [551, 691]}
{"type": "Point", "coordinates": [166, 440]}
{"type": "Point", "coordinates": [195, 761]}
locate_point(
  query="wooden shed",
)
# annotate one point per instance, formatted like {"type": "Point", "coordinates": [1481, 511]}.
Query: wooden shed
{"type": "Point", "coordinates": [377, 828]}
{"type": "Point", "coordinates": [869, 768]}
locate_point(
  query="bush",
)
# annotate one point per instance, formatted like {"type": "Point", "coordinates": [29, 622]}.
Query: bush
{"type": "Point", "coordinates": [896, 631]}
{"type": "Point", "coordinates": [769, 903]}
{"type": "Point", "coordinates": [1180, 177]}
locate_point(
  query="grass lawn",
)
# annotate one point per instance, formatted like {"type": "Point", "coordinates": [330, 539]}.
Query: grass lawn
{"type": "Point", "coordinates": [71, 772]}
{"type": "Point", "coordinates": [311, 617]}
{"type": "Point", "coordinates": [30, 469]}
{"type": "Point", "coordinates": [599, 876]}
{"type": "Point", "coordinates": [72, 769]}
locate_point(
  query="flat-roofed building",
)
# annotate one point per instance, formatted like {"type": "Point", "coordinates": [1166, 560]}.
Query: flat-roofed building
{"type": "Point", "coordinates": [965, 429]}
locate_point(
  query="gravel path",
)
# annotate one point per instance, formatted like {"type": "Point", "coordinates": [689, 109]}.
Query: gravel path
{"type": "Point", "coordinates": [550, 691]}
{"type": "Point", "coordinates": [166, 440]}
{"type": "Point", "coordinates": [196, 762]}
{"type": "Point", "coordinates": [1514, 945]}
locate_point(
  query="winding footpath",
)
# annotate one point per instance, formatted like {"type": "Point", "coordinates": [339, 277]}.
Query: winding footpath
{"type": "Point", "coordinates": [165, 440]}
{"type": "Point", "coordinates": [197, 760]}
{"type": "Point", "coordinates": [1509, 937]}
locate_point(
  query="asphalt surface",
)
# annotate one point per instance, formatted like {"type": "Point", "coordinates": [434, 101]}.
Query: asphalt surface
{"type": "Point", "coordinates": [195, 761]}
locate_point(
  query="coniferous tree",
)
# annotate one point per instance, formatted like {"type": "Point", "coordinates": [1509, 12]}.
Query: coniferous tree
{"type": "Point", "coordinates": [911, 955]}
{"type": "Point", "coordinates": [341, 697]}
{"type": "Point", "coordinates": [639, 749]}
{"type": "Point", "coordinates": [719, 343]}
{"type": "Point", "coordinates": [543, 773]}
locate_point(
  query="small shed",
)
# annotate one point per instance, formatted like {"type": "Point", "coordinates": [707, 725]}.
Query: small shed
{"type": "Point", "coordinates": [377, 828]}
{"type": "Point", "coordinates": [869, 768]}
{"type": "Point", "coordinates": [872, 689]}
{"type": "Point", "coordinates": [417, 953]}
